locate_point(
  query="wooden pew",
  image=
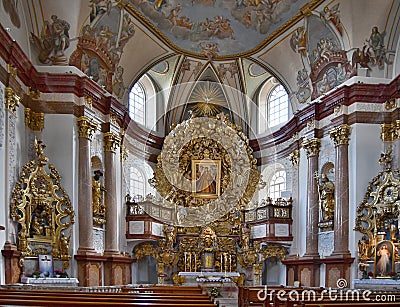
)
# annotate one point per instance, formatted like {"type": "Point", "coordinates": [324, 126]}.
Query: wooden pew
{"type": "Point", "coordinates": [175, 297]}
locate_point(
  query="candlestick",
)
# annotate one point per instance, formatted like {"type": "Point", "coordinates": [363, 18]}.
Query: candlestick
{"type": "Point", "coordinates": [190, 262]}
{"type": "Point", "coordinates": [185, 261]}
{"type": "Point", "coordinates": [230, 263]}
{"type": "Point", "coordinates": [195, 263]}
{"type": "Point", "coordinates": [221, 264]}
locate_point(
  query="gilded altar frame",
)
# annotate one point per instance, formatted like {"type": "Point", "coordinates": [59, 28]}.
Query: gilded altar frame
{"type": "Point", "coordinates": [42, 209]}
{"type": "Point", "coordinates": [200, 170]}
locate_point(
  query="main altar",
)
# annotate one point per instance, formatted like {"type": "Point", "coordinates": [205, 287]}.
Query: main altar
{"type": "Point", "coordinates": [210, 232]}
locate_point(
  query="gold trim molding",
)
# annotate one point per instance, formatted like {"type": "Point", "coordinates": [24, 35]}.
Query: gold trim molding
{"type": "Point", "coordinates": [11, 99]}
{"type": "Point", "coordinates": [86, 127]}
{"type": "Point", "coordinates": [111, 142]}
{"type": "Point", "coordinates": [33, 120]}
{"type": "Point", "coordinates": [390, 132]}
{"type": "Point", "coordinates": [340, 134]}
{"type": "Point", "coordinates": [312, 146]}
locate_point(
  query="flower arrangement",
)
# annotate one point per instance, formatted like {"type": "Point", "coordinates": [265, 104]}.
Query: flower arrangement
{"type": "Point", "coordinates": [370, 274]}
{"type": "Point", "coordinates": [394, 275]}
{"type": "Point", "coordinates": [214, 292]}
{"type": "Point", "coordinates": [37, 274]}
{"type": "Point", "coordinates": [60, 274]}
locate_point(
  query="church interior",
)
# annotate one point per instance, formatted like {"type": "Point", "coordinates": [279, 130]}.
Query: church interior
{"type": "Point", "coordinates": [199, 153]}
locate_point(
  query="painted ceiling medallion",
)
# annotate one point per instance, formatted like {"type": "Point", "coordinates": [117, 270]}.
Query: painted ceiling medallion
{"type": "Point", "coordinates": [217, 28]}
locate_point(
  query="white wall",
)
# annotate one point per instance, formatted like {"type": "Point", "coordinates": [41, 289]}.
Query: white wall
{"type": "Point", "coordinates": [60, 137]}
{"type": "Point", "coordinates": [365, 147]}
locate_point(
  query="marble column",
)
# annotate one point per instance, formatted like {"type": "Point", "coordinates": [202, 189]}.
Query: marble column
{"type": "Point", "coordinates": [294, 158]}
{"type": "Point", "coordinates": [10, 253]}
{"type": "Point", "coordinates": [111, 144]}
{"type": "Point", "coordinates": [340, 136]}
{"type": "Point", "coordinates": [86, 128]}
{"type": "Point", "coordinates": [311, 147]}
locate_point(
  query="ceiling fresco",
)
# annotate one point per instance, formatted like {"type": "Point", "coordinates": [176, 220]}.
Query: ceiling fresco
{"type": "Point", "coordinates": [218, 28]}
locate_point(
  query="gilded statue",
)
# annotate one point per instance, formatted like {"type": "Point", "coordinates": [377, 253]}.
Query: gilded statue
{"type": "Point", "coordinates": [170, 236]}
{"type": "Point", "coordinates": [245, 237]}
{"type": "Point", "coordinates": [97, 194]}
{"type": "Point", "coordinates": [208, 239]}
{"type": "Point", "coordinates": [64, 244]}
{"type": "Point", "coordinates": [326, 191]}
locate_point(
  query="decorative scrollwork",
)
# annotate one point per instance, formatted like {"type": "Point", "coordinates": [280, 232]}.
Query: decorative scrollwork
{"type": "Point", "coordinates": [205, 139]}
{"type": "Point", "coordinates": [378, 213]}
{"type": "Point", "coordinates": [42, 209]}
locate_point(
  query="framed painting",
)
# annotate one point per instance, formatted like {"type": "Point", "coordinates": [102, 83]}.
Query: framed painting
{"type": "Point", "coordinates": [384, 259]}
{"type": "Point", "coordinates": [206, 178]}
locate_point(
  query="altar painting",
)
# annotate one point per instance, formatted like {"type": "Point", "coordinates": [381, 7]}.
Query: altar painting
{"type": "Point", "coordinates": [206, 177]}
{"type": "Point", "coordinates": [384, 261]}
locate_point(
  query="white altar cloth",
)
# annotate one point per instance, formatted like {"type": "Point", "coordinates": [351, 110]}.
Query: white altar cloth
{"type": "Point", "coordinates": [51, 282]}
{"type": "Point", "coordinates": [208, 274]}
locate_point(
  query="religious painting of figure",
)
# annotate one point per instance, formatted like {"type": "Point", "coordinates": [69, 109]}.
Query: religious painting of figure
{"type": "Point", "coordinates": [384, 259]}
{"type": "Point", "coordinates": [206, 176]}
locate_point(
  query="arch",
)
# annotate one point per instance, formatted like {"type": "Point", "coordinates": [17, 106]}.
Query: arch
{"type": "Point", "coordinates": [273, 104]}
{"type": "Point", "coordinates": [137, 186]}
{"type": "Point", "coordinates": [275, 177]}
{"type": "Point", "coordinates": [142, 101]}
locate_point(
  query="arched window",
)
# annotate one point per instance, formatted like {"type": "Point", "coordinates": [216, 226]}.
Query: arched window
{"type": "Point", "coordinates": [273, 105]}
{"type": "Point", "coordinates": [277, 106]}
{"type": "Point", "coordinates": [136, 182]}
{"type": "Point", "coordinates": [137, 103]}
{"type": "Point", "coordinates": [277, 184]}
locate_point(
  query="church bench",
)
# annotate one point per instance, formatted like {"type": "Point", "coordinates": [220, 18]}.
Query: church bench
{"type": "Point", "coordinates": [93, 298]}
{"type": "Point", "coordinates": [163, 289]}
{"type": "Point", "coordinates": [17, 296]}
{"type": "Point", "coordinates": [61, 302]}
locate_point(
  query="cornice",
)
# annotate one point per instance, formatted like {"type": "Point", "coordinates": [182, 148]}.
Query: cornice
{"type": "Point", "coordinates": [82, 86]}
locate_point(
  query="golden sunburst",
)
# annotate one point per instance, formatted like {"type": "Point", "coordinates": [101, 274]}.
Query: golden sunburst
{"type": "Point", "coordinates": [208, 99]}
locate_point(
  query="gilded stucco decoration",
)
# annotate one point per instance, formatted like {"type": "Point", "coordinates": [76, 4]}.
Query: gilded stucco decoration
{"type": "Point", "coordinates": [34, 120]}
{"type": "Point", "coordinates": [42, 209]}
{"type": "Point", "coordinates": [11, 99]}
{"type": "Point", "coordinates": [377, 220]}
{"type": "Point", "coordinates": [199, 147]}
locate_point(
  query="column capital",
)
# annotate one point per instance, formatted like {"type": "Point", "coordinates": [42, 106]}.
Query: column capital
{"type": "Point", "coordinates": [86, 127]}
{"type": "Point", "coordinates": [111, 142]}
{"type": "Point", "coordinates": [11, 99]}
{"type": "Point", "coordinates": [389, 132]}
{"type": "Point", "coordinates": [312, 146]}
{"type": "Point", "coordinates": [34, 120]}
{"type": "Point", "coordinates": [294, 157]}
{"type": "Point", "coordinates": [340, 134]}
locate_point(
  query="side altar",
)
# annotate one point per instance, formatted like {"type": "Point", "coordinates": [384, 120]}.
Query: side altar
{"type": "Point", "coordinates": [43, 214]}
{"type": "Point", "coordinates": [378, 221]}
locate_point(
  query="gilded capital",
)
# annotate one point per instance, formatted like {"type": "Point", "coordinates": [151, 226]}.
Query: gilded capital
{"type": "Point", "coordinates": [294, 157]}
{"type": "Point", "coordinates": [389, 132]}
{"type": "Point", "coordinates": [86, 127]}
{"type": "Point", "coordinates": [33, 120]}
{"type": "Point", "coordinates": [111, 142]}
{"type": "Point", "coordinates": [312, 146]}
{"type": "Point", "coordinates": [11, 99]}
{"type": "Point", "coordinates": [340, 134]}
